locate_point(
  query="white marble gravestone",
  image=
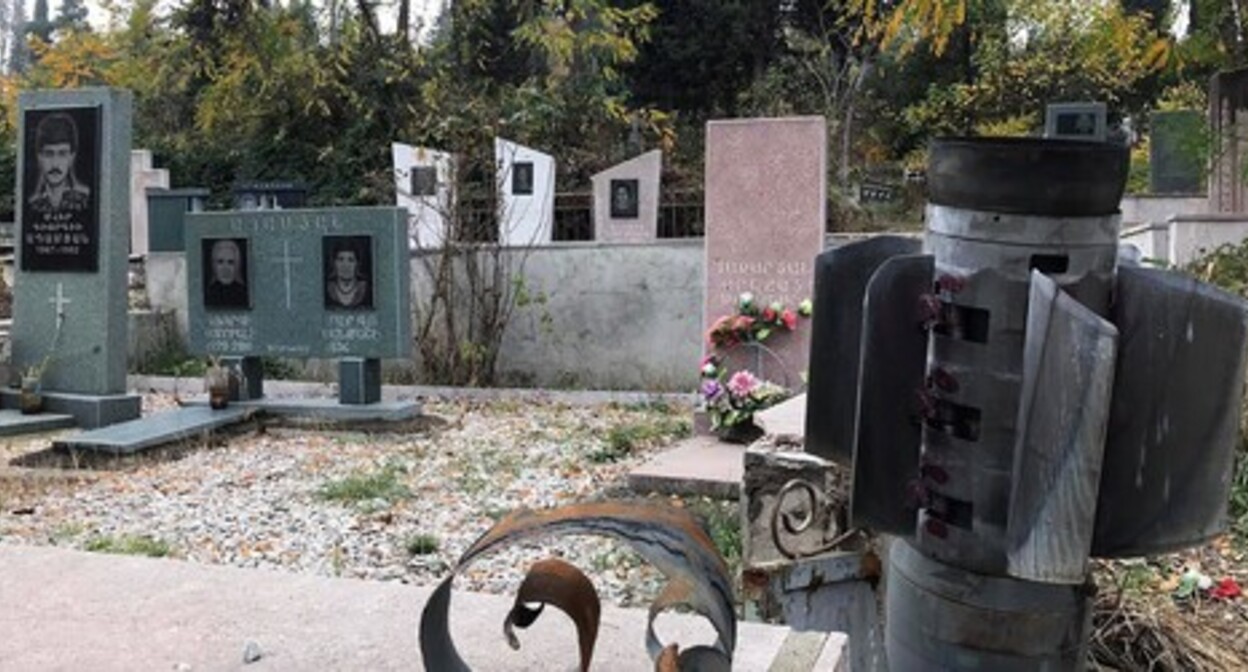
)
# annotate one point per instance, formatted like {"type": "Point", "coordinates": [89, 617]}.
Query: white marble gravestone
{"type": "Point", "coordinates": [142, 177]}
{"type": "Point", "coordinates": [526, 183]}
{"type": "Point", "coordinates": [626, 200]}
{"type": "Point", "coordinates": [423, 180]}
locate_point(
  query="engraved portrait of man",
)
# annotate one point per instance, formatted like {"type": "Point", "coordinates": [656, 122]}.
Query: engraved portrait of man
{"type": "Point", "coordinates": [58, 187]}
{"type": "Point", "coordinates": [60, 192]}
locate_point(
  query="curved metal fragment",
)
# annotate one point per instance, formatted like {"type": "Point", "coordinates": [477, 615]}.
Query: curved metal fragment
{"type": "Point", "coordinates": [887, 430]}
{"type": "Point", "coordinates": [1174, 421]}
{"type": "Point", "coordinates": [667, 537]}
{"type": "Point", "coordinates": [841, 278]}
{"type": "Point", "coordinates": [553, 581]}
{"type": "Point", "coordinates": [1068, 373]}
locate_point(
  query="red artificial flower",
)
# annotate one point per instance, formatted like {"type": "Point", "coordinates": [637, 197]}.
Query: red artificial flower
{"type": "Point", "coordinates": [769, 315]}
{"type": "Point", "coordinates": [1225, 589]}
{"type": "Point", "coordinates": [790, 319]}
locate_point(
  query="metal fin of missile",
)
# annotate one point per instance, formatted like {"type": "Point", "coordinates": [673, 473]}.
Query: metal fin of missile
{"type": "Point", "coordinates": [841, 277]}
{"type": "Point", "coordinates": [1068, 376]}
{"type": "Point", "coordinates": [894, 354]}
{"type": "Point", "coordinates": [1174, 422]}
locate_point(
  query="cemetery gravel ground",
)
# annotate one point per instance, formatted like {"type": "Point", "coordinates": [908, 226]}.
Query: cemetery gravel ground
{"type": "Point", "coordinates": [369, 505]}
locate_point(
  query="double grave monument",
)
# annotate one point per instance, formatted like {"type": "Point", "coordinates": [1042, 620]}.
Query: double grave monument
{"type": "Point", "coordinates": [301, 283]}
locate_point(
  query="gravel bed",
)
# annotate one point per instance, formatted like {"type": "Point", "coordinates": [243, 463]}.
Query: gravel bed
{"type": "Point", "coordinates": [265, 498]}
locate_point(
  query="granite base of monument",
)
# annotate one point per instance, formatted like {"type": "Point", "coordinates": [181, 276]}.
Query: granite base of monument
{"type": "Point", "coordinates": [246, 377]}
{"type": "Point", "coordinates": [89, 411]}
{"type": "Point", "coordinates": [16, 423]}
{"type": "Point", "coordinates": [327, 409]}
{"type": "Point", "coordinates": [359, 380]}
{"type": "Point", "coordinates": [163, 428]}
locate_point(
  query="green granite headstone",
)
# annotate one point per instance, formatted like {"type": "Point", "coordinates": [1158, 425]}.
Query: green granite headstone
{"type": "Point", "coordinates": [166, 216]}
{"type": "Point", "coordinates": [299, 283]}
{"type": "Point", "coordinates": [73, 230]}
{"type": "Point", "coordinates": [1176, 152]}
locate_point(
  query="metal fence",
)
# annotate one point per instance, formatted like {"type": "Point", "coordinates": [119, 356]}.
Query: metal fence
{"type": "Point", "coordinates": [680, 216]}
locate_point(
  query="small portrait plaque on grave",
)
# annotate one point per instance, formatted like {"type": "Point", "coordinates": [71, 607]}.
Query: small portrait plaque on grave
{"type": "Point", "coordinates": [348, 264]}
{"type": "Point", "coordinates": [624, 199]}
{"type": "Point", "coordinates": [522, 178]}
{"type": "Point", "coordinates": [225, 274]}
{"type": "Point", "coordinates": [60, 174]}
{"type": "Point", "coordinates": [424, 181]}
{"type": "Point", "coordinates": [1076, 121]}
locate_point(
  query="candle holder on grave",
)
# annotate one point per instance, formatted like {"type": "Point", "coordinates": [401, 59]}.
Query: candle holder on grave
{"type": "Point", "coordinates": [1021, 403]}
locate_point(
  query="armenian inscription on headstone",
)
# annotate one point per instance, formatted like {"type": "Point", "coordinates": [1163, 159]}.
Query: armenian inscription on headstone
{"type": "Point", "coordinates": [299, 283]}
{"type": "Point", "coordinates": [766, 193]}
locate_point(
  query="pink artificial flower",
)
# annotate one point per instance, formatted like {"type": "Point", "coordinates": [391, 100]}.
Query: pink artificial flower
{"type": "Point", "coordinates": [743, 323]}
{"type": "Point", "coordinates": [742, 383]}
{"type": "Point", "coordinates": [769, 315]}
{"type": "Point", "coordinates": [790, 319]}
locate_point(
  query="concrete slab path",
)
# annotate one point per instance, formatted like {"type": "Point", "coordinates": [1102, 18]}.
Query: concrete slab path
{"type": "Point", "coordinates": [699, 465]}
{"type": "Point", "coordinates": [71, 610]}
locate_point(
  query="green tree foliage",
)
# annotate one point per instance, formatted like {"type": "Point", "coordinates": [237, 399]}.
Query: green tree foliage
{"type": "Point", "coordinates": [703, 53]}
{"type": "Point", "coordinates": [229, 90]}
{"type": "Point", "coordinates": [1158, 11]}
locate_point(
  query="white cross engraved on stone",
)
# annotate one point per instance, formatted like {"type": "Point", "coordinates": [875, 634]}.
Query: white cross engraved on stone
{"type": "Point", "coordinates": [60, 302]}
{"type": "Point", "coordinates": [286, 260]}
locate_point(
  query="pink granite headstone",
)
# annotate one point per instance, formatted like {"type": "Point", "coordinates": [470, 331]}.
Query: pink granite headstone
{"type": "Point", "coordinates": [766, 189]}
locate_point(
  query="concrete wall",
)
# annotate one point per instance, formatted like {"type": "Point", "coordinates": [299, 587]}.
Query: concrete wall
{"type": "Point", "coordinates": [1148, 209]}
{"type": "Point", "coordinates": [1182, 239]}
{"type": "Point", "coordinates": [1192, 236]}
{"type": "Point", "coordinates": [166, 286]}
{"type": "Point", "coordinates": [611, 316]}
{"type": "Point", "coordinates": [614, 317]}
{"type": "Point", "coordinates": [1152, 240]}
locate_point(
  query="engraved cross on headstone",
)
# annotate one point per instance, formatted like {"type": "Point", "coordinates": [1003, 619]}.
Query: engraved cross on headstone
{"type": "Point", "coordinates": [286, 260]}
{"type": "Point", "coordinates": [60, 300]}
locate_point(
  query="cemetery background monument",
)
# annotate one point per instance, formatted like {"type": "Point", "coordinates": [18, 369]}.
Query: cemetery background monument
{"type": "Point", "coordinates": [70, 293]}
{"type": "Point", "coordinates": [423, 180]}
{"type": "Point", "coordinates": [143, 176]}
{"type": "Point", "coordinates": [1228, 128]}
{"type": "Point", "coordinates": [526, 183]}
{"type": "Point", "coordinates": [626, 200]}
